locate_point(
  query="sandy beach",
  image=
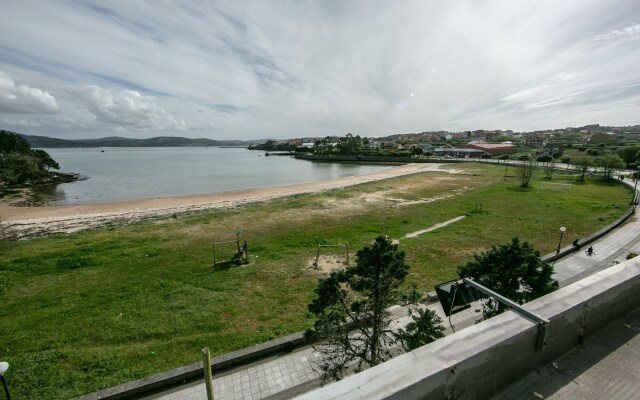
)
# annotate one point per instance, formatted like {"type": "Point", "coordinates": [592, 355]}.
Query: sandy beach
{"type": "Point", "coordinates": [22, 222]}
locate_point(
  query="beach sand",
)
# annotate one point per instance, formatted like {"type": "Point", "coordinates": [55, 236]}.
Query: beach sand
{"type": "Point", "coordinates": [23, 222]}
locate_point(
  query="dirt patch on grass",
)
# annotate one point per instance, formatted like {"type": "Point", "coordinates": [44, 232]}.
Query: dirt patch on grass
{"type": "Point", "coordinates": [434, 227]}
{"type": "Point", "coordinates": [328, 263]}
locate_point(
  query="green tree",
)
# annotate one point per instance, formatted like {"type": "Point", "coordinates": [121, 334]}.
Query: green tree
{"type": "Point", "coordinates": [19, 169]}
{"type": "Point", "coordinates": [416, 151]}
{"type": "Point", "coordinates": [352, 311]}
{"type": "Point", "coordinates": [425, 327]}
{"type": "Point", "coordinates": [13, 143]}
{"type": "Point", "coordinates": [513, 270]}
{"type": "Point", "coordinates": [21, 165]}
{"type": "Point", "coordinates": [270, 145]}
{"type": "Point", "coordinates": [630, 155]}
{"type": "Point", "coordinates": [602, 138]}
{"type": "Point", "coordinates": [594, 151]}
{"type": "Point", "coordinates": [349, 144]}
{"type": "Point", "coordinates": [609, 162]}
{"type": "Point", "coordinates": [582, 164]}
{"type": "Point", "coordinates": [44, 160]}
{"type": "Point", "coordinates": [323, 146]}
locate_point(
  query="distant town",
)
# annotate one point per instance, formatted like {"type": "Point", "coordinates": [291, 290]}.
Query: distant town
{"type": "Point", "coordinates": [594, 140]}
{"type": "Point", "coordinates": [591, 140]}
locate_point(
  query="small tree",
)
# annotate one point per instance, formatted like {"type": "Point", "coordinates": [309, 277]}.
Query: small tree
{"type": "Point", "coordinates": [608, 163]}
{"type": "Point", "coordinates": [550, 168]}
{"type": "Point", "coordinates": [352, 310]}
{"type": "Point", "coordinates": [513, 270]}
{"type": "Point", "coordinates": [506, 158]}
{"type": "Point", "coordinates": [582, 164]}
{"type": "Point", "coordinates": [424, 328]}
{"type": "Point", "coordinates": [526, 170]}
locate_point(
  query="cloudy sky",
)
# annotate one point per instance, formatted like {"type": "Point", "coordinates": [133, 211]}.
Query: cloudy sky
{"type": "Point", "coordinates": [282, 69]}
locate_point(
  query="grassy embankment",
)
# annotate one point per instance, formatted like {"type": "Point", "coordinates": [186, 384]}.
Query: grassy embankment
{"type": "Point", "coordinates": [99, 308]}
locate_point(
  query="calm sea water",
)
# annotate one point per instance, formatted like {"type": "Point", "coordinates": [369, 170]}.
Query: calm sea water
{"type": "Point", "coordinates": [137, 173]}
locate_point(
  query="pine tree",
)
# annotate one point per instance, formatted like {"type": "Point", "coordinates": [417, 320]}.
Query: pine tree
{"type": "Point", "coordinates": [352, 310]}
{"type": "Point", "coordinates": [513, 270]}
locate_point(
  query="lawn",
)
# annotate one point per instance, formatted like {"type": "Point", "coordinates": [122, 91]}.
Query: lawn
{"type": "Point", "coordinates": [98, 308]}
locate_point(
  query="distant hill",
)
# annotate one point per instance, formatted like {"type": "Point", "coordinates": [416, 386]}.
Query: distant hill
{"type": "Point", "coordinates": [44, 142]}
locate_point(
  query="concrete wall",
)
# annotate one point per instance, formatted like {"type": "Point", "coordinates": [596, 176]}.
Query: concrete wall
{"type": "Point", "coordinates": [476, 362]}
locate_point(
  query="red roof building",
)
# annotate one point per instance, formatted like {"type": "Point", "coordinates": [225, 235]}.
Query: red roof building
{"type": "Point", "coordinates": [495, 149]}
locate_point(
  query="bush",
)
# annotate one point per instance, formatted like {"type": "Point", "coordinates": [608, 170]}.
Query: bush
{"type": "Point", "coordinates": [631, 255]}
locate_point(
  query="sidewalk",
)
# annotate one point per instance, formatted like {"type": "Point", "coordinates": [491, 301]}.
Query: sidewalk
{"type": "Point", "coordinates": [289, 375]}
{"type": "Point", "coordinates": [606, 366]}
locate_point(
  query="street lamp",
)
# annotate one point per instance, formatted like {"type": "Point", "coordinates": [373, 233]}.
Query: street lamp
{"type": "Point", "coordinates": [562, 231]}
{"type": "Point", "coordinates": [635, 191]}
{"type": "Point", "coordinates": [4, 366]}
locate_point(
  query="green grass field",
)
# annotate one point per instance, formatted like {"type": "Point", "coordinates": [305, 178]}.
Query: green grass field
{"type": "Point", "coordinates": [91, 310]}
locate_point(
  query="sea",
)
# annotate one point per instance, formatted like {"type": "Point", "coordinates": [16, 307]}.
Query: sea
{"type": "Point", "coordinates": [122, 173]}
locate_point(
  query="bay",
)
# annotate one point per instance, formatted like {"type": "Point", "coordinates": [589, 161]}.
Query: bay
{"type": "Point", "coordinates": [120, 173]}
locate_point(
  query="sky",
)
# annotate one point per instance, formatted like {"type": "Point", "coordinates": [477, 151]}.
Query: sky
{"type": "Point", "coordinates": [283, 69]}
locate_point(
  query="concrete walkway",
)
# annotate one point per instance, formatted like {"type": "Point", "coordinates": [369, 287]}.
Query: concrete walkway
{"type": "Point", "coordinates": [606, 367]}
{"type": "Point", "coordinates": [291, 374]}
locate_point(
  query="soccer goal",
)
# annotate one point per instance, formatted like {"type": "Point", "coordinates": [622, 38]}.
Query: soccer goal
{"type": "Point", "coordinates": [559, 187]}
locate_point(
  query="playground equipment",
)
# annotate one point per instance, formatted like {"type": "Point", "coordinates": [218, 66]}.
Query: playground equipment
{"type": "Point", "coordinates": [225, 252]}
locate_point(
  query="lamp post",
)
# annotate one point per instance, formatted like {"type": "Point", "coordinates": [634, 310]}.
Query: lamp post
{"type": "Point", "coordinates": [4, 366]}
{"type": "Point", "coordinates": [635, 190]}
{"type": "Point", "coordinates": [562, 231]}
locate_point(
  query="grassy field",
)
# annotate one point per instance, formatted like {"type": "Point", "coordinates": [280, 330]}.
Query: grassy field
{"type": "Point", "coordinates": [95, 309]}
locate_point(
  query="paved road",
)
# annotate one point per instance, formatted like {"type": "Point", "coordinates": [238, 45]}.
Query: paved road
{"type": "Point", "coordinates": [291, 374]}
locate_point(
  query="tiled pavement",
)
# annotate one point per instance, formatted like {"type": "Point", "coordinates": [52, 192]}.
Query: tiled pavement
{"type": "Point", "coordinates": [291, 374]}
{"type": "Point", "coordinates": [606, 367]}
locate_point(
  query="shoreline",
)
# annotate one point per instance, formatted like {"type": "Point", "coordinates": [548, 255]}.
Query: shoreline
{"type": "Point", "coordinates": [26, 222]}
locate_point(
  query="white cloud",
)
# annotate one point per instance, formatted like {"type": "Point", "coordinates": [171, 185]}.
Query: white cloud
{"type": "Point", "coordinates": [24, 99]}
{"type": "Point", "coordinates": [128, 109]}
{"type": "Point", "coordinates": [619, 35]}
{"type": "Point", "coordinates": [256, 69]}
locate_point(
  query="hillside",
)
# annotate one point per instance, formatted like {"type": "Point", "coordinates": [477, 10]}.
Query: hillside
{"type": "Point", "coordinates": [115, 141]}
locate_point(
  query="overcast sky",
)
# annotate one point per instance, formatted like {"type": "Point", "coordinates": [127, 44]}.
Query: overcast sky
{"type": "Point", "coordinates": [283, 69]}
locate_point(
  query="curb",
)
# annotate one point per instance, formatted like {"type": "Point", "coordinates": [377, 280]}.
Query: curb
{"type": "Point", "coordinates": [191, 372]}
